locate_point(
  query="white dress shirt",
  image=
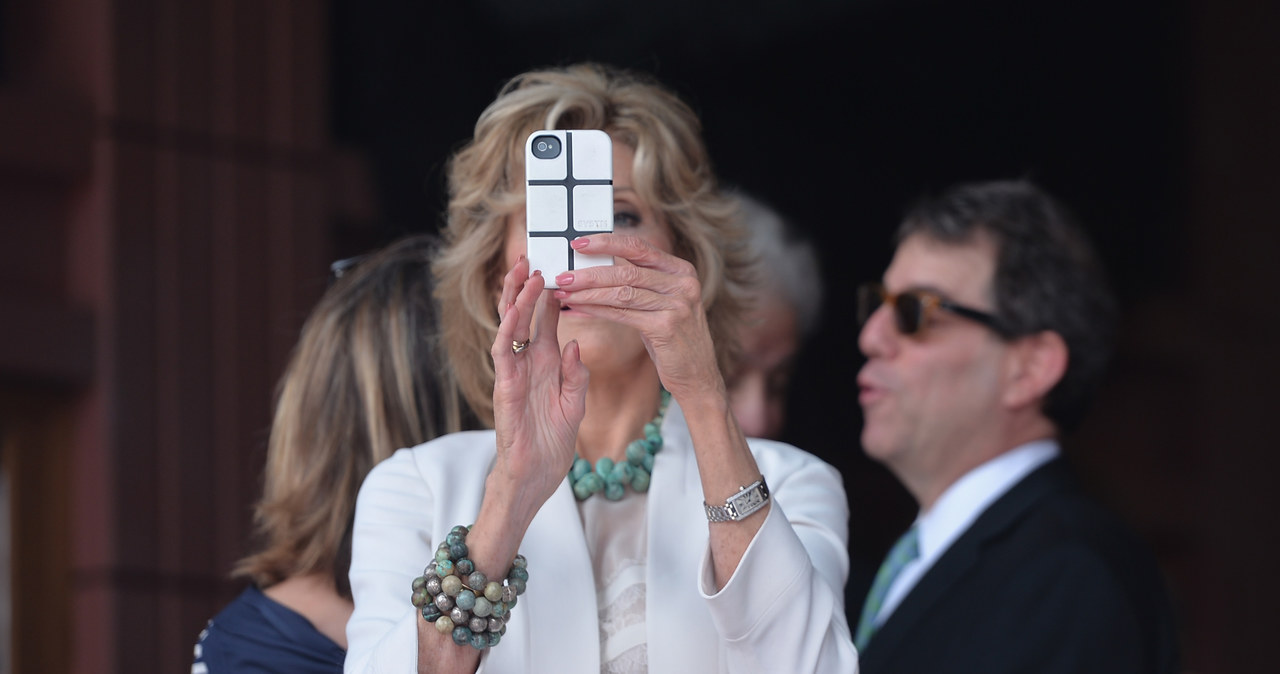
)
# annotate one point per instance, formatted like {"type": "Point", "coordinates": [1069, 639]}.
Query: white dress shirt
{"type": "Point", "coordinates": [958, 507]}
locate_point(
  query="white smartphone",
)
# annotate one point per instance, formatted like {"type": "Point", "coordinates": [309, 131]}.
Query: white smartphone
{"type": "Point", "coordinates": [568, 193]}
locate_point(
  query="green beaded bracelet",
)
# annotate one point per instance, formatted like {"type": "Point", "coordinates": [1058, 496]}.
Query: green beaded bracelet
{"type": "Point", "coordinates": [461, 601]}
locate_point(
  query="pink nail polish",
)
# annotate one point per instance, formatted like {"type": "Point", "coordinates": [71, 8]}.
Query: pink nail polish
{"type": "Point", "coordinates": [560, 294]}
{"type": "Point", "coordinates": [564, 279]}
{"type": "Point", "coordinates": [579, 243]}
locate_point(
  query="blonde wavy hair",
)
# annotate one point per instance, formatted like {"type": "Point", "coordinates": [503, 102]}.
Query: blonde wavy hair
{"type": "Point", "coordinates": [672, 172]}
{"type": "Point", "coordinates": [362, 382]}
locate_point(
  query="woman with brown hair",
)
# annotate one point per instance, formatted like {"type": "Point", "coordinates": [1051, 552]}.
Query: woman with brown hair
{"type": "Point", "coordinates": [657, 538]}
{"type": "Point", "coordinates": [362, 382]}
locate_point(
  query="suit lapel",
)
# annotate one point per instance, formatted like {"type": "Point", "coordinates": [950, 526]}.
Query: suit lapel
{"type": "Point", "coordinates": [959, 559]}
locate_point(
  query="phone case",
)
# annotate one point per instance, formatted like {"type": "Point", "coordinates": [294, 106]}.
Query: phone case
{"type": "Point", "coordinates": [566, 196]}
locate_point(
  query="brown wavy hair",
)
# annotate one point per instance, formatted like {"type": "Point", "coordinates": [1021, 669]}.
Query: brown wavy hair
{"type": "Point", "coordinates": [363, 381]}
{"type": "Point", "coordinates": [672, 172]}
{"type": "Point", "coordinates": [1048, 276]}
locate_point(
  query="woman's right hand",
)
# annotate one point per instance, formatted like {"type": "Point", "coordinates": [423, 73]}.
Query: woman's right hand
{"type": "Point", "coordinates": [539, 394]}
{"type": "Point", "coordinates": [539, 399]}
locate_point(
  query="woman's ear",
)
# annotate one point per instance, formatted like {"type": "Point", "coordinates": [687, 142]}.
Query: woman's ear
{"type": "Point", "coordinates": [1038, 363]}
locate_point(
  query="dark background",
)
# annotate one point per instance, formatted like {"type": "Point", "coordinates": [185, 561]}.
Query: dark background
{"type": "Point", "coordinates": [176, 176]}
{"type": "Point", "coordinates": [838, 114]}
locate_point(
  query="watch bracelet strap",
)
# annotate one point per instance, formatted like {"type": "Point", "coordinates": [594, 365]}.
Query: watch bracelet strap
{"type": "Point", "coordinates": [729, 511]}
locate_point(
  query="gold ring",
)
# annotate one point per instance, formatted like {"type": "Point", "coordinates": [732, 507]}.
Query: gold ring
{"type": "Point", "coordinates": [517, 347]}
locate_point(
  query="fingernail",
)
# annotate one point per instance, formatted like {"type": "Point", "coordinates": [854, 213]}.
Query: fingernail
{"type": "Point", "coordinates": [560, 294]}
{"type": "Point", "coordinates": [521, 258]}
{"type": "Point", "coordinates": [564, 279]}
{"type": "Point", "coordinates": [579, 243]}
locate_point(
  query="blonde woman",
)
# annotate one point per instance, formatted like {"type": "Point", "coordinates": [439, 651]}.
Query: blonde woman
{"type": "Point", "coordinates": [361, 383]}
{"type": "Point", "coordinates": [600, 539]}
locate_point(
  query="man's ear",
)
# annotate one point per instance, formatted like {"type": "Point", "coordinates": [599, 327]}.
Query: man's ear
{"type": "Point", "coordinates": [1037, 364]}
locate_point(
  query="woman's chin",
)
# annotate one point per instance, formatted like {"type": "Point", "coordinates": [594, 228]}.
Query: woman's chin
{"type": "Point", "coordinates": [605, 347]}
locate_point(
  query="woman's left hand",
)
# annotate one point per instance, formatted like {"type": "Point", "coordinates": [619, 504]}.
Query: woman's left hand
{"type": "Point", "coordinates": [654, 292]}
{"type": "Point", "coordinates": [659, 295]}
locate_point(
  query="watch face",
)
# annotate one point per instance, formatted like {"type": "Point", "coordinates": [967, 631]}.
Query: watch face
{"type": "Point", "coordinates": [741, 504]}
{"type": "Point", "coordinates": [749, 500]}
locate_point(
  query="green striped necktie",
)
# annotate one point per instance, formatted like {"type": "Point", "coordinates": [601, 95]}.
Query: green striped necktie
{"type": "Point", "coordinates": [903, 552]}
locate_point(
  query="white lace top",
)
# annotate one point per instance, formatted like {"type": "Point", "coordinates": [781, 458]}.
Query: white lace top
{"type": "Point", "coordinates": [617, 537]}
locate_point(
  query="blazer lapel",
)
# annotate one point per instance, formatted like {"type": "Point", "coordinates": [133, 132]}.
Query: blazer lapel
{"type": "Point", "coordinates": [956, 562]}
{"type": "Point", "coordinates": [671, 575]}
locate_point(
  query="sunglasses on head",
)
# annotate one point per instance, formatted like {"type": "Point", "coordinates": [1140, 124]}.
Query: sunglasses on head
{"type": "Point", "coordinates": [340, 267]}
{"type": "Point", "coordinates": [912, 308]}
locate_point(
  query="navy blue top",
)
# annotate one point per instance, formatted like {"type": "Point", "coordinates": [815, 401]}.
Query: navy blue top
{"type": "Point", "coordinates": [256, 634]}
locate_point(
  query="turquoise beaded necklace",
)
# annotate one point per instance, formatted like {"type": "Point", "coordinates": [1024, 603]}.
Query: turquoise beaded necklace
{"type": "Point", "coordinates": [612, 478]}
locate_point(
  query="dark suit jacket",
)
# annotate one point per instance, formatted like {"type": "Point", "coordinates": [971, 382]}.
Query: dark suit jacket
{"type": "Point", "coordinates": [1043, 581]}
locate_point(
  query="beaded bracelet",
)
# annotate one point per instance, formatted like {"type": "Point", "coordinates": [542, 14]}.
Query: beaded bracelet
{"type": "Point", "coordinates": [474, 611]}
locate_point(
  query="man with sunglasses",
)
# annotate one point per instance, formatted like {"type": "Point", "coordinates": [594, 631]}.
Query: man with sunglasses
{"type": "Point", "coordinates": [984, 343]}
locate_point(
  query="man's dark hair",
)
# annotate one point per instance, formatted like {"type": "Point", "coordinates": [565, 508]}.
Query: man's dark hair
{"type": "Point", "coordinates": [1047, 276]}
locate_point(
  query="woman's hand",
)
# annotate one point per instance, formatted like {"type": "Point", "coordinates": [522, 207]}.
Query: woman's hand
{"type": "Point", "coordinates": [656, 293]}
{"type": "Point", "coordinates": [659, 295]}
{"type": "Point", "coordinates": [539, 394]}
{"type": "Point", "coordinates": [539, 398]}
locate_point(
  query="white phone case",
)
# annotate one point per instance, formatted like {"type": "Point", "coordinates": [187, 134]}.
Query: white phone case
{"type": "Point", "coordinates": [566, 196]}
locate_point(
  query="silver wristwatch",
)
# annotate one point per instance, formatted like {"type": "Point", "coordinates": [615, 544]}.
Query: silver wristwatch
{"type": "Point", "coordinates": [750, 499]}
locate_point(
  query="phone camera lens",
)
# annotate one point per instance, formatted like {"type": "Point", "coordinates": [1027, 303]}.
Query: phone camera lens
{"type": "Point", "coordinates": [546, 147]}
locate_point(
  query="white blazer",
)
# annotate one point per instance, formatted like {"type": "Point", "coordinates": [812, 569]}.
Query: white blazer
{"type": "Point", "coordinates": [782, 611]}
